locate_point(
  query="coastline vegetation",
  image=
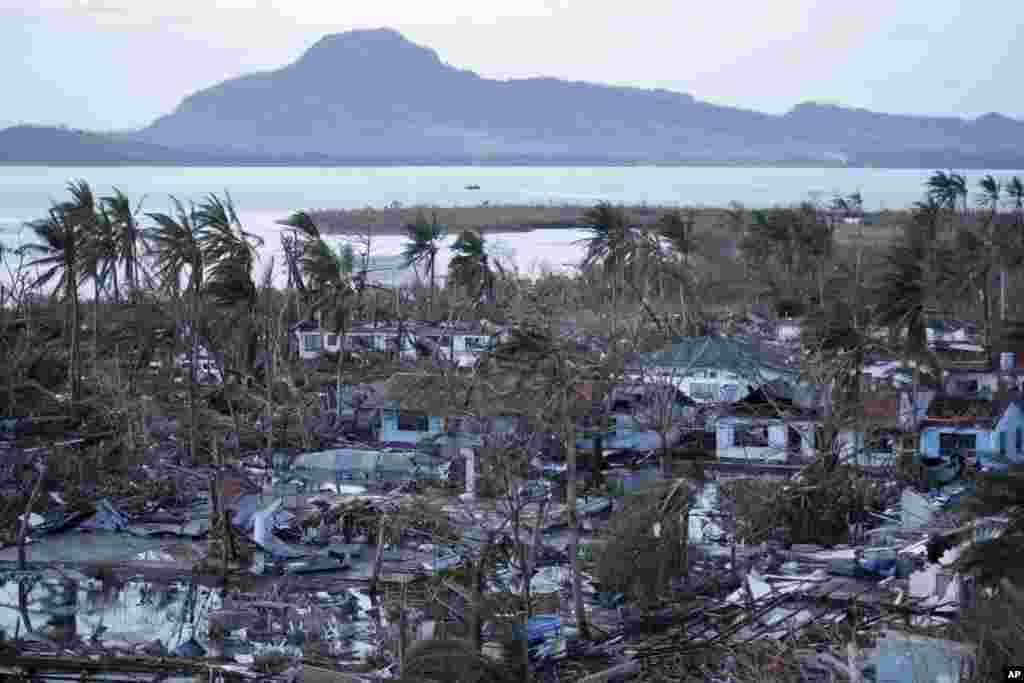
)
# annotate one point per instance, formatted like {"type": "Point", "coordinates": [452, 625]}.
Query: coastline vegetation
{"type": "Point", "coordinates": [180, 328]}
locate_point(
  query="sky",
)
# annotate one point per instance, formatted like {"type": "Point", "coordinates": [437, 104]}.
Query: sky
{"type": "Point", "coordinates": [119, 64]}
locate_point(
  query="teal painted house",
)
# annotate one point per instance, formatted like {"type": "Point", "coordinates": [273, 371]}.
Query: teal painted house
{"type": "Point", "coordinates": [429, 410]}
{"type": "Point", "coordinates": [961, 430]}
{"type": "Point", "coordinates": [632, 417]}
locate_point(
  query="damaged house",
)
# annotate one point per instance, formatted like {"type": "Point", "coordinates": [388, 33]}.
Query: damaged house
{"type": "Point", "coordinates": [962, 430]}
{"type": "Point", "coordinates": [426, 409]}
{"type": "Point", "coordinates": [716, 368]}
{"type": "Point", "coordinates": [768, 425]}
{"type": "Point", "coordinates": [634, 416]}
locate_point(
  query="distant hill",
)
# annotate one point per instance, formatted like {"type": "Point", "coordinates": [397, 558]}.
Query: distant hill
{"type": "Point", "coordinates": [48, 145]}
{"type": "Point", "coordinates": [375, 97]}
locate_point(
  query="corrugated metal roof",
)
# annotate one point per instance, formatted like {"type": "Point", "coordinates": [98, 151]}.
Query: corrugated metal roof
{"type": "Point", "coordinates": [741, 355]}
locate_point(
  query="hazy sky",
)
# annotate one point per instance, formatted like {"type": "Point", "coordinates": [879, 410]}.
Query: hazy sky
{"type": "Point", "coordinates": [121, 63]}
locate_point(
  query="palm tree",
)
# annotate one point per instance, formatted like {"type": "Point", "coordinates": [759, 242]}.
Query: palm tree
{"type": "Point", "coordinates": [422, 247]}
{"type": "Point", "coordinates": [677, 229]}
{"type": "Point", "coordinates": [57, 247]}
{"type": "Point", "coordinates": [175, 242]}
{"type": "Point", "coordinates": [612, 244]}
{"type": "Point", "coordinates": [948, 190]}
{"type": "Point", "coordinates": [991, 199]}
{"type": "Point", "coordinates": [229, 253]}
{"type": "Point", "coordinates": [98, 254]}
{"type": "Point", "coordinates": [553, 370]}
{"type": "Point", "coordinates": [1015, 190]}
{"type": "Point", "coordinates": [610, 240]}
{"type": "Point", "coordinates": [329, 275]}
{"type": "Point", "coordinates": [128, 238]}
{"type": "Point", "coordinates": [911, 278]}
{"type": "Point", "coordinates": [304, 233]}
{"type": "Point", "coordinates": [470, 267]}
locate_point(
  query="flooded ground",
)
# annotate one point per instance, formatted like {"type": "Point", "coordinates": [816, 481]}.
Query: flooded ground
{"type": "Point", "coordinates": [67, 609]}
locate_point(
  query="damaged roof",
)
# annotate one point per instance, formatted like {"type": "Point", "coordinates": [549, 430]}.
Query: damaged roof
{"type": "Point", "coordinates": [455, 393]}
{"type": "Point", "coordinates": [946, 409]}
{"type": "Point", "coordinates": [741, 355]}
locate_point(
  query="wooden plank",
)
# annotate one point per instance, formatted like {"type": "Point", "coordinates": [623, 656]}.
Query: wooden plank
{"type": "Point", "coordinates": [457, 589]}
{"type": "Point", "coordinates": [627, 669]}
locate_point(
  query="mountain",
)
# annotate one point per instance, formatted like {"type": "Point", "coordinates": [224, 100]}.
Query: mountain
{"type": "Point", "coordinates": [49, 145]}
{"type": "Point", "coordinates": [375, 97]}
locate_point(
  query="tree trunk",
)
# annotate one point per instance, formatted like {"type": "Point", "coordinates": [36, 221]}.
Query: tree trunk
{"type": "Point", "coordinates": [598, 460]}
{"type": "Point", "coordinates": [433, 289]}
{"type": "Point", "coordinates": [574, 523]}
{"type": "Point", "coordinates": [378, 557]}
{"type": "Point", "coordinates": [76, 350]}
{"type": "Point", "coordinates": [475, 607]}
{"type": "Point", "coordinates": [117, 288]}
{"type": "Point", "coordinates": [193, 408]}
{"type": "Point", "coordinates": [666, 470]}
{"type": "Point", "coordinates": [23, 530]}
{"type": "Point", "coordinates": [535, 544]}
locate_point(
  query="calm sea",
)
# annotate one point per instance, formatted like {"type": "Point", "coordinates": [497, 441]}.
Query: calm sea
{"type": "Point", "coordinates": [263, 195]}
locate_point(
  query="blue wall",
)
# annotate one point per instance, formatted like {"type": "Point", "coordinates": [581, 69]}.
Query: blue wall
{"type": "Point", "coordinates": [987, 439]}
{"type": "Point", "coordinates": [389, 430]}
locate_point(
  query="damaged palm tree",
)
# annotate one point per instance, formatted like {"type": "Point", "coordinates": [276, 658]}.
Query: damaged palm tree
{"type": "Point", "coordinates": [548, 367]}
{"type": "Point", "coordinates": [648, 542]}
{"type": "Point", "coordinates": [816, 510]}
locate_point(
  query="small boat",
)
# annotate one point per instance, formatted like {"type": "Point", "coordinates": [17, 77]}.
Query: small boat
{"type": "Point", "coordinates": [472, 187]}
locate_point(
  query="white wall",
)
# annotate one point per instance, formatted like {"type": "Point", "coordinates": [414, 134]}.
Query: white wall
{"type": "Point", "coordinates": [721, 378]}
{"type": "Point", "coordinates": [778, 438]}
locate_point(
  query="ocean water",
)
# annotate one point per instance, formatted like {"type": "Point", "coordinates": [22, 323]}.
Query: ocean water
{"type": "Point", "coordinates": [264, 195]}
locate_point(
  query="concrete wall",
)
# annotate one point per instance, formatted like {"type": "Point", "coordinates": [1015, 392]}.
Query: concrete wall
{"type": "Point", "coordinates": [777, 449]}
{"type": "Point", "coordinates": [722, 378]}
{"type": "Point", "coordinates": [852, 451]}
{"type": "Point", "coordinates": [389, 430]}
{"type": "Point", "coordinates": [987, 440]}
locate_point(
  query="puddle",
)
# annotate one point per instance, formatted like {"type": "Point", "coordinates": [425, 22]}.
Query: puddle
{"type": "Point", "coordinates": [131, 615]}
{"type": "Point", "coordinates": [69, 608]}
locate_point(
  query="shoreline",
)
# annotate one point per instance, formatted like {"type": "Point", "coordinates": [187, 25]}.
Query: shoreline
{"type": "Point", "coordinates": [520, 218]}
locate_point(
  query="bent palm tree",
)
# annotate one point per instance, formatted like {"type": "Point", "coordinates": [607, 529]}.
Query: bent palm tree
{"type": "Point", "coordinates": [99, 255]}
{"type": "Point", "coordinates": [57, 247]}
{"type": "Point", "coordinates": [948, 190]}
{"type": "Point", "coordinates": [612, 244]}
{"type": "Point", "coordinates": [677, 229]}
{"type": "Point", "coordinates": [329, 275]}
{"type": "Point", "coordinates": [304, 233]}
{"type": "Point", "coordinates": [128, 238]}
{"type": "Point", "coordinates": [470, 267]}
{"type": "Point", "coordinates": [229, 254]}
{"type": "Point", "coordinates": [422, 247]}
{"type": "Point", "coordinates": [175, 242]}
{"type": "Point", "coordinates": [228, 251]}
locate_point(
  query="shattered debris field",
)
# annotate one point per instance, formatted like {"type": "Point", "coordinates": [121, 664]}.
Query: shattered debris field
{"type": "Point", "coordinates": [791, 453]}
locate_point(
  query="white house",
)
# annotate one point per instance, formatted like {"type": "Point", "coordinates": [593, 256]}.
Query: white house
{"type": "Point", "coordinates": [715, 369]}
{"type": "Point", "coordinates": [460, 343]}
{"type": "Point", "coordinates": [763, 439]}
{"type": "Point", "coordinates": [886, 420]}
{"type": "Point", "coordinates": [952, 331]}
{"type": "Point", "coordinates": [766, 426]}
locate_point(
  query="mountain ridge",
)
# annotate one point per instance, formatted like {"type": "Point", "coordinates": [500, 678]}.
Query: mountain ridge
{"type": "Point", "coordinates": [376, 97]}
